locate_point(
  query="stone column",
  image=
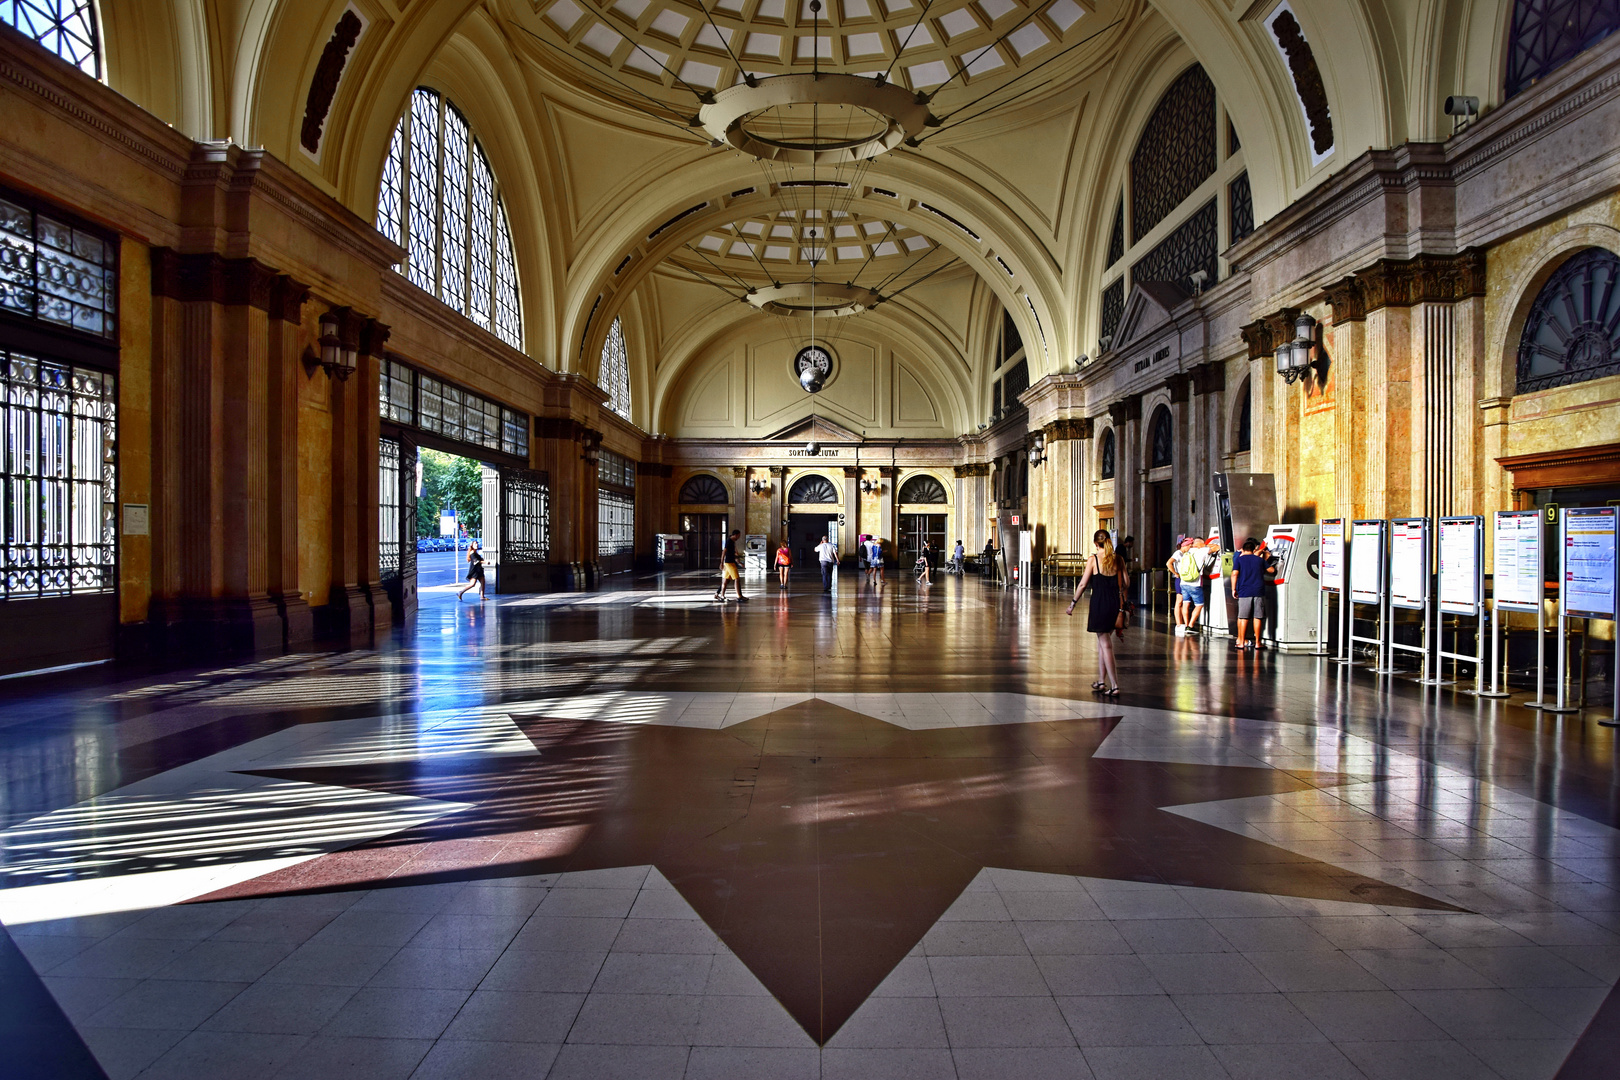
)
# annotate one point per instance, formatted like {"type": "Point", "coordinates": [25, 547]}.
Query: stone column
{"type": "Point", "coordinates": [852, 514]}
{"type": "Point", "coordinates": [285, 371]}
{"type": "Point", "coordinates": [889, 501]}
{"type": "Point", "coordinates": [1181, 453]}
{"type": "Point", "coordinates": [738, 518]}
{"type": "Point", "coordinates": [777, 534]}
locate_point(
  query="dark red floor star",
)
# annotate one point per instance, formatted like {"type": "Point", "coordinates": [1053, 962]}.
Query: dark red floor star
{"type": "Point", "coordinates": [818, 843]}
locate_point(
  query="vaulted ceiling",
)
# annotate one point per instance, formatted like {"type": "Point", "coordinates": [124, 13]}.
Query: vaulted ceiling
{"type": "Point", "coordinates": [620, 207]}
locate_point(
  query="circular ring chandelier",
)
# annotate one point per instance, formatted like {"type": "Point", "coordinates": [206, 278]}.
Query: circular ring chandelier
{"type": "Point", "coordinates": [728, 117]}
{"type": "Point", "coordinates": [821, 299]}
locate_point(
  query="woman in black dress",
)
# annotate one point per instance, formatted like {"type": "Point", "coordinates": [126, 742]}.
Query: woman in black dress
{"type": "Point", "coordinates": [475, 571]}
{"type": "Point", "coordinates": [1106, 575]}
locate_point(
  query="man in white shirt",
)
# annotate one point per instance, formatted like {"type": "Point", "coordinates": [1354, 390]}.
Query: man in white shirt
{"type": "Point", "coordinates": [829, 559]}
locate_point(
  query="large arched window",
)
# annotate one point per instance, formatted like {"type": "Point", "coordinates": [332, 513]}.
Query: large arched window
{"type": "Point", "coordinates": [704, 490]}
{"type": "Point", "coordinates": [1572, 333]}
{"type": "Point", "coordinates": [1106, 456]}
{"type": "Point", "coordinates": [65, 27]}
{"type": "Point", "coordinates": [922, 489]}
{"type": "Point", "coordinates": [439, 202]}
{"type": "Point", "coordinates": [813, 489]}
{"type": "Point", "coordinates": [1546, 34]}
{"type": "Point", "coordinates": [614, 374]}
{"type": "Point", "coordinates": [1164, 435]}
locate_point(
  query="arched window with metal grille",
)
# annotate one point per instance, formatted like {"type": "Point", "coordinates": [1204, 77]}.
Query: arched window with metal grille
{"type": "Point", "coordinates": [614, 373]}
{"type": "Point", "coordinates": [1546, 34]}
{"type": "Point", "coordinates": [439, 201]}
{"type": "Point", "coordinates": [922, 489]}
{"type": "Point", "coordinates": [704, 490]}
{"type": "Point", "coordinates": [1164, 436]}
{"type": "Point", "coordinates": [813, 489]}
{"type": "Point", "coordinates": [1105, 456]}
{"type": "Point", "coordinates": [1572, 333]}
{"type": "Point", "coordinates": [65, 27]}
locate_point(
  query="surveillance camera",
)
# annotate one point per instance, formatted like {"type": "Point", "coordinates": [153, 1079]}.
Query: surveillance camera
{"type": "Point", "coordinates": [1462, 105]}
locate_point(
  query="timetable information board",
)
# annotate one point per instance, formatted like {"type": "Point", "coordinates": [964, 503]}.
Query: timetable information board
{"type": "Point", "coordinates": [1517, 582]}
{"type": "Point", "coordinates": [1409, 562]}
{"type": "Point", "coordinates": [1589, 561]}
{"type": "Point", "coordinates": [1366, 561]}
{"type": "Point", "coordinates": [1330, 557]}
{"type": "Point", "coordinates": [1460, 565]}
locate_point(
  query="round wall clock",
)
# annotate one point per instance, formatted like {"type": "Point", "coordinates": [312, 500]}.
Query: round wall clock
{"type": "Point", "coordinates": [813, 367]}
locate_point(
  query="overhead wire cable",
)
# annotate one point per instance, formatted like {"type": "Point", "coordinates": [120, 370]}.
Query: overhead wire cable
{"type": "Point", "coordinates": [920, 280]}
{"type": "Point", "coordinates": [907, 43]}
{"type": "Point", "coordinates": [700, 254]}
{"type": "Point", "coordinates": [685, 129]}
{"type": "Point", "coordinates": [1010, 31]}
{"type": "Point", "coordinates": [699, 94]}
{"type": "Point", "coordinates": [989, 93]}
{"type": "Point", "coordinates": [724, 42]}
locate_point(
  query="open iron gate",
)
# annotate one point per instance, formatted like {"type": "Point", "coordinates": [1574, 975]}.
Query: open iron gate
{"type": "Point", "coordinates": [517, 528]}
{"type": "Point", "coordinates": [396, 536]}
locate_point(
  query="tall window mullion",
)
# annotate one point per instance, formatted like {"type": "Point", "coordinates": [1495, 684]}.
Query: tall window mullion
{"type": "Point", "coordinates": [438, 199]}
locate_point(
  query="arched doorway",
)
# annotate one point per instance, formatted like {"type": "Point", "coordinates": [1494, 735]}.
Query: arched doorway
{"type": "Point", "coordinates": [704, 508]}
{"type": "Point", "coordinates": [812, 514]}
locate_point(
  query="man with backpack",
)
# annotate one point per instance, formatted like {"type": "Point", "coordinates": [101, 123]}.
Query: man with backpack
{"type": "Point", "coordinates": [1190, 565]}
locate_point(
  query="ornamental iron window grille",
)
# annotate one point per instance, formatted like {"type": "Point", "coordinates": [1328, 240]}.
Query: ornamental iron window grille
{"type": "Point", "coordinates": [1113, 307]}
{"type": "Point", "coordinates": [60, 472]}
{"type": "Point", "coordinates": [525, 516]}
{"type": "Point", "coordinates": [1240, 207]}
{"type": "Point", "coordinates": [1017, 382]}
{"type": "Point", "coordinates": [1572, 333]}
{"type": "Point", "coordinates": [1546, 34]}
{"type": "Point", "coordinates": [995, 399]}
{"type": "Point", "coordinates": [1193, 246]}
{"type": "Point", "coordinates": [922, 489]}
{"type": "Point", "coordinates": [65, 27]}
{"type": "Point", "coordinates": [1011, 341]}
{"type": "Point", "coordinates": [1106, 456]}
{"type": "Point", "coordinates": [1164, 434]}
{"type": "Point", "coordinates": [813, 489]}
{"type": "Point", "coordinates": [57, 273]}
{"type": "Point", "coordinates": [614, 373]}
{"type": "Point", "coordinates": [1242, 439]}
{"type": "Point", "coordinates": [415, 399]}
{"type": "Point", "coordinates": [1176, 152]}
{"type": "Point", "coordinates": [1116, 236]}
{"type": "Point", "coordinates": [704, 490]}
{"type": "Point", "coordinates": [615, 523]}
{"type": "Point", "coordinates": [615, 470]}
{"type": "Point", "coordinates": [439, 201]}
{"type": "Point", "coordinates": [388, 515]}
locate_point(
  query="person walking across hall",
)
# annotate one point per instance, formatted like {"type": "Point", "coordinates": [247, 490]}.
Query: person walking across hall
{"type": "Point", "coordinates": [730, 569]}
{"type": "Point", "coordinates": [1108, 578]}
{"type": "Point", "coordinates": [475, 572]}
{"type": "Point", "coordinates": [784, 564]}
{"type": "Point", "coordinates": [828, 555]}
{"type": "Point", "coordinates": [959, 556]}
{"type": "Point", "coordinates": [1249, 586]}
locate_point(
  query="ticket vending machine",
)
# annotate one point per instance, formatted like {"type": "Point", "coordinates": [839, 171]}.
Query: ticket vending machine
{"type": "Point", "coordinates": [755, 558]}
{"type": "Point", "coordinates": [1292, 598]}
{"type": "Point", "coordinates": [671, 551]}
{"type": "Point", "coordinates": [1217, 584]}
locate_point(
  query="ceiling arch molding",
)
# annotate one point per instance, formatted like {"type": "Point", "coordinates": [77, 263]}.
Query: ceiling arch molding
{"type": "Point", "coordinates": [917, 340]}
{"type": "Point", "coordinates": [158, 56]}
{"type": "Point", "coordinates": [645, 251]}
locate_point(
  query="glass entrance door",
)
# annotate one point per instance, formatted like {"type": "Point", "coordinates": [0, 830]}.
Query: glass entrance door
{"type": "Point", "coordinates": [914, 529]}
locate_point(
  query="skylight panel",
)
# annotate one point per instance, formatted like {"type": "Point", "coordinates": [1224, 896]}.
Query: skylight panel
{"type": "Point", "coordinates": [1064, 14]}
{"type": "Point", "coordinates": [564, 14]}
{"type": "Point", "coordinates": [958, 22]}
{"type": "Point", "coordinates": [864, 44]}
{"type": "Point", "coordinates": [671, 23]}
{"type": "Point", "coordinates": [1028, 38]}
{"type": "Point", "coordinates": [601, 41]}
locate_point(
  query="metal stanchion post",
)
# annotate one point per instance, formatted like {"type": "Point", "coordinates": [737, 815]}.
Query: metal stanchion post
{"type": "Point", "coordinates": [1496, 690]}
{"type": "Point", "coordinates": [1613, 719]}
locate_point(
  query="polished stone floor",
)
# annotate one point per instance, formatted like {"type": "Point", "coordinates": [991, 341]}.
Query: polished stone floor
{"type": "Point", "coordinates": [886, 833]}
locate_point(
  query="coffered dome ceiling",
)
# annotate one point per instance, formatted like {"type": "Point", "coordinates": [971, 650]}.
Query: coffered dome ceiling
{"type": "Point", "coordinates": [667, 43]}
{"type": "Point", "coordinates": [833, 238]}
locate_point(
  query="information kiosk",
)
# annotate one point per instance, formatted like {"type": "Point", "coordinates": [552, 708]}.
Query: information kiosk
{"type": "Point", "coordinates": [1516, 584]}
{"type": "Point", "coordinates": [1408, 587]}
{"type": "Point", "coordinates": [1330, 576]}
{"type": "Point", "coordinates": [756, 560]}
{"type": "Point", "coordinates": [1294, 625]}
{"type": "Point", "coordinates": [1462, 591]}
{"type": "Point", "coordinates": [1587, 573]}
{"type": "Point", "coordinates": [1366, 561]}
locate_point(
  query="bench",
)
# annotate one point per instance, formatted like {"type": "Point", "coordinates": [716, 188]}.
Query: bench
{"type": "Point", "coordinates": [1063, 564]}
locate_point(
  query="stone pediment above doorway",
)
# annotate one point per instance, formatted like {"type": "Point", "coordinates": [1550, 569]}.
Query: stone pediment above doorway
{"type": "Point", "coordinates": [1148, 307]}
{"type": "Point", "coordinates": [815, 427]}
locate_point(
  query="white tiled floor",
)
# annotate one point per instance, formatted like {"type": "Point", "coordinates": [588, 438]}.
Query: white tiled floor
{"type": "Point", "coordinates": [611, 973]}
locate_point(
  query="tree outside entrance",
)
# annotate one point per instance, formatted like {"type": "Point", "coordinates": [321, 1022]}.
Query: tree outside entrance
{"type": "Point", "coordinates": [450, 481]}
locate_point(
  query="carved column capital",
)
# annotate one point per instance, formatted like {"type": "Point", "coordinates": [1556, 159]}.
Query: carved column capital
{"type": "Point", "coordinates": [287, 300]}
{"type": "Point", "coordinates": [1180, 387]}
{"type": "Point", "coordinates": [1209, 378]}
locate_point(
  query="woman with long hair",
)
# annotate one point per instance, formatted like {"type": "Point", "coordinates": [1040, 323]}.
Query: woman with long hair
{"type": "Point", "coordinates": [1108, 578]}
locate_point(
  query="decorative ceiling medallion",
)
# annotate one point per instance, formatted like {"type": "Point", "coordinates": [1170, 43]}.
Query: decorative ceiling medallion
{"type": "Point", "coordinates": [821, 298]}
{"type": "Point", "coordinates": [773, 118]}
{"type": "Point", "coordinates": [813, 367]}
